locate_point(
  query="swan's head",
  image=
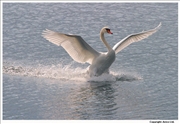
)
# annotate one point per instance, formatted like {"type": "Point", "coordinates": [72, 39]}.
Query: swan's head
{"type": "Point", "coordinates": [106, 30]}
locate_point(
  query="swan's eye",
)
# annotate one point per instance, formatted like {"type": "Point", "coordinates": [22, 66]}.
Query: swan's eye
{"type": "Point", "coordinates": [107, 29]}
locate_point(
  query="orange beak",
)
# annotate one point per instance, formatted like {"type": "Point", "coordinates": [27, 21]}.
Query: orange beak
{"type": "Point", "coordinates": [109, 32]}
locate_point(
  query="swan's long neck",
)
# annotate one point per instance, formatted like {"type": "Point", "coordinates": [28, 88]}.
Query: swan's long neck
{"type": "Point", "coordinates": [104, 41]}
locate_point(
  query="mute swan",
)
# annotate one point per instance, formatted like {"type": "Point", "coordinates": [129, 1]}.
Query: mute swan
{"type": "Point", "coordinates": [81, 52]}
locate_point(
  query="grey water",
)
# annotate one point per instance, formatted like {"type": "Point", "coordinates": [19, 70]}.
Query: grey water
{"type": "Point", "coordinates": [41, 81]}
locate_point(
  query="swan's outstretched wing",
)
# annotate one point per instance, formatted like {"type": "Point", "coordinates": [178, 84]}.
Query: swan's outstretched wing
{"type": "Point", "coordinates": [133, 38]}
{"type": "Point", "coordinates": [74, 45]}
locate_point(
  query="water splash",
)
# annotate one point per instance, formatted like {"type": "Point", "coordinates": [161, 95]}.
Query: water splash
{"type": "Point", "coordinates": [66, 72]}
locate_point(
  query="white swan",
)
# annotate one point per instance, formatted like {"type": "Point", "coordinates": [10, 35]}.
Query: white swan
{"type": "Point", "coordinates": [81, 52]}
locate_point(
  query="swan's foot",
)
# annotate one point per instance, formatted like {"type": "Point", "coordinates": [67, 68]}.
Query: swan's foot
{"type": "Point", "coordinates": [106, 71]}
{"type": "Point", "coordinates": [95, 73]}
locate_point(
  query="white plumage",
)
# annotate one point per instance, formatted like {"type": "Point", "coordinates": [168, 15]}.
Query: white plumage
{"type": "Point", "coordinates": [134, 38]}
{"type": "Point", "coordinates": [81, 52]}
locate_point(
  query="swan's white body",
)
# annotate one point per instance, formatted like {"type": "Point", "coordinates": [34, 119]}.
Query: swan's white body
{"type": "Point", "coordinates": [81, 52]}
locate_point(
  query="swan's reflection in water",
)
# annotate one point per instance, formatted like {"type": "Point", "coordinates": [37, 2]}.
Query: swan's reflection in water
{"type": "Point", "coordinates": [96, 101]}
{"type": "Point", "coordinates": [89, 100]}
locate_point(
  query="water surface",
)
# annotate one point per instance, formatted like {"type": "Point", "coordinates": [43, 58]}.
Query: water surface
{"type": "Point", "coordinates": [41, 81]}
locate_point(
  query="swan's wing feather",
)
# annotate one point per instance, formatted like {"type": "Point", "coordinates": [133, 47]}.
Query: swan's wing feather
{"type": "Point", "coordinates": [74, 45]}
{"type": "Point", "coordinates": [133, 38]}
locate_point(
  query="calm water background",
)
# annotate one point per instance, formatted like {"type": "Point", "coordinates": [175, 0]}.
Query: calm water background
{"type": "Point", "coordinates": [41, 81]}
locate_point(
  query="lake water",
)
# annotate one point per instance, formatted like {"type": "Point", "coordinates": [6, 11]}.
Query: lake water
{"type": "Point", "coordinates": [41, 81]}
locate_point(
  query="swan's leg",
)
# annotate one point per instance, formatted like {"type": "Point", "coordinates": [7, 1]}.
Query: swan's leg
{"type": "Point", "coordinates": [106, 71]}
{"type": "Point", "coordinates": [90, 71]}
